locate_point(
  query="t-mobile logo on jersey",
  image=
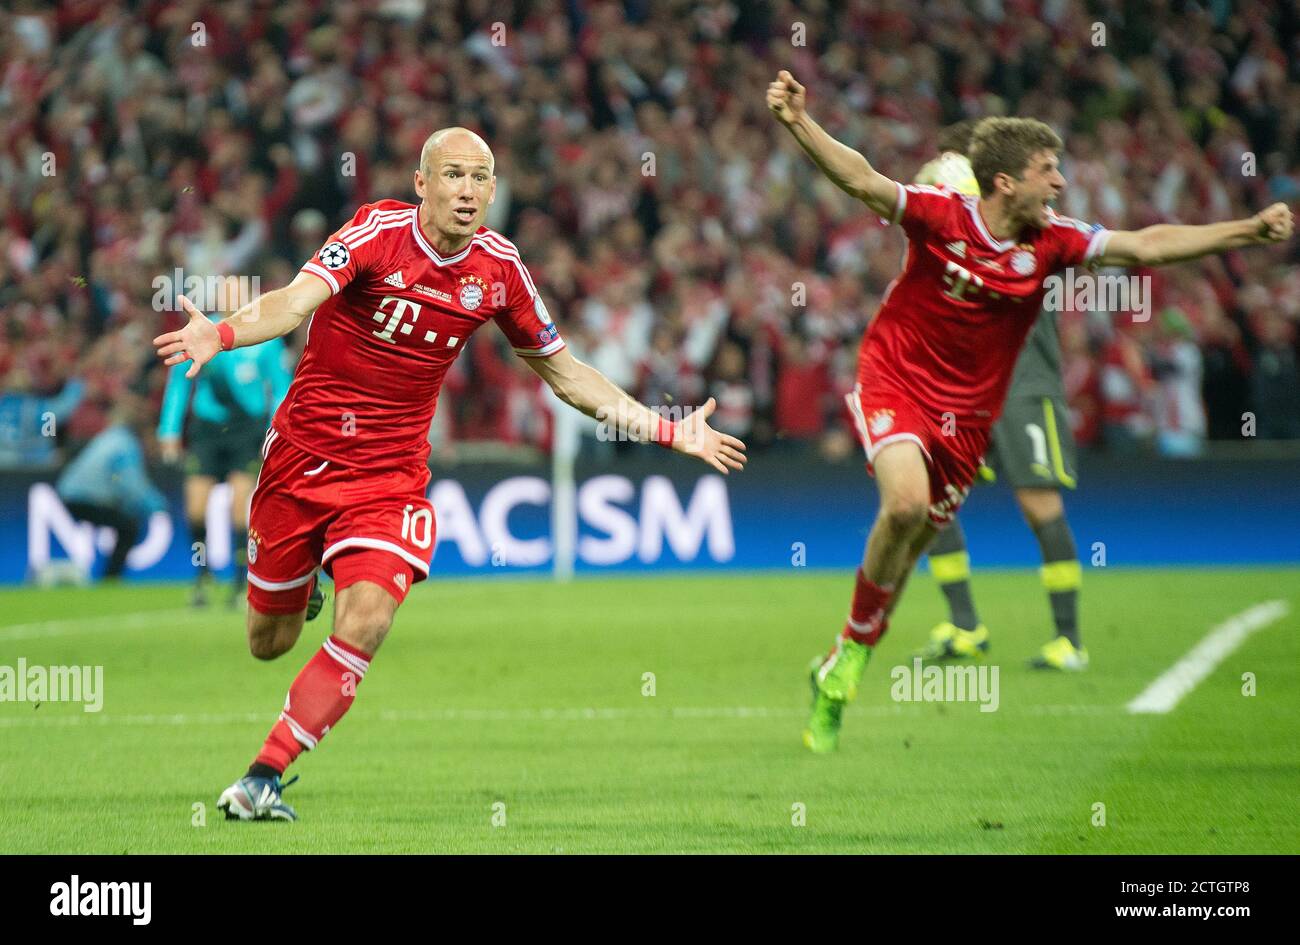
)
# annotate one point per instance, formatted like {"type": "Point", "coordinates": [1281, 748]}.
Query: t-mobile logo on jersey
{"type": "Point", "coordinates": [960, 281]}
{"type": "Point", "coordinates": [394, 321]}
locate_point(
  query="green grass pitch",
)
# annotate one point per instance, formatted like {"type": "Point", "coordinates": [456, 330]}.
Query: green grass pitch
{"type": "Point", "coordinates": [529, 695]}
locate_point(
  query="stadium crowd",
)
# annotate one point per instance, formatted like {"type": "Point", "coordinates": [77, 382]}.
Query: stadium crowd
{"type": "Point", "coordinates": [684, 243]}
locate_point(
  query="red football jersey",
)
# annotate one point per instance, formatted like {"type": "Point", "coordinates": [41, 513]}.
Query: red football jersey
{"type": "Point", "coordinates": [399, 314]}
{"type": "Point", "coordinates": [952, 324]}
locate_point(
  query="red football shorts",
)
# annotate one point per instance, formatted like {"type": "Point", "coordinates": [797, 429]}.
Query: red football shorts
{"type": "Point", "coordinates": [953, 451]}
{"type": "Point", "coordinates": [358, 525]}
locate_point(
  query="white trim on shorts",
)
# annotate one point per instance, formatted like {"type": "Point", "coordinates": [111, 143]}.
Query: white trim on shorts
{"type": "Point", "coordinates": [379, 545]}
{"type": "Point", "coordinates": [280, 585]}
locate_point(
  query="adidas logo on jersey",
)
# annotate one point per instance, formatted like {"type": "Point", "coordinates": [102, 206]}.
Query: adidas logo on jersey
{"type": "Point", "coordinates": [396, 280]}
{"type": "Point", "coordinates": [400, 581]}
{"type": "Point", "coordinates": [958, 248]}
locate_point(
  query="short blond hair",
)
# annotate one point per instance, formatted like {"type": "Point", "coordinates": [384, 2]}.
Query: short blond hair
{"type": "Point", "coordinates": [1005, 145]}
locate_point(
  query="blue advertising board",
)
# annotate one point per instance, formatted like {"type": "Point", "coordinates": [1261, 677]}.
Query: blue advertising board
{"type": "Point", "coordinates": [638, 515]}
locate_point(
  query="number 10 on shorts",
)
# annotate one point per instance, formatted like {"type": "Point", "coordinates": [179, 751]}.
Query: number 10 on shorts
{"type": "Point", "coordinates": [417, 526]}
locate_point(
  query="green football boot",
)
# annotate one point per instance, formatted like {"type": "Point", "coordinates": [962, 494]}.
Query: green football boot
{"type": "Point", "coordinates": [823, 731]}
{"type": "Point", "coordinates": [834, 683]}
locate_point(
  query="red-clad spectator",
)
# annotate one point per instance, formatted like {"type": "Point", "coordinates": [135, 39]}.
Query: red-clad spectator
{"type": "Point", "coordinates": [1125, 385]}
{"type": "Point", "coordinates": [638, 172]}
{"type": "Point", "coordinates": [803, 390]}
{"type": "Point", "coordinates": [1081, 376]}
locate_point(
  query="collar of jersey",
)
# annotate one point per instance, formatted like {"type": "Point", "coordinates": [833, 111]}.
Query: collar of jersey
{"type": "Point", "coordinates": [972, 204]}
{"type": "Point", "coordinates": [428, 248]}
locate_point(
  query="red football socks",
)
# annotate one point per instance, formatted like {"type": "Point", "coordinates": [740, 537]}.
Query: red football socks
{"type": "Point", "coordinates": [869, 617]}
{"type": "Point", "coordinates": [318, 698]}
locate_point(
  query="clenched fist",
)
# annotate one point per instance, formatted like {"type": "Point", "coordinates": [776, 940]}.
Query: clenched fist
{"type": "Point", "coordinates": [786, 98]}
{"type": "Point", "coordinates": [1276, 223]}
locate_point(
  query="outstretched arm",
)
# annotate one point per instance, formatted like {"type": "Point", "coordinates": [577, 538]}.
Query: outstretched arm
{"type": "Point", "coordinates": [1170, 243]}
{"type": "Point", "coordinates": [267, 316]}
{"type": "Point", "coordinates": [584, 388]}
{"type": "Point", "coordinates": [846, 168]}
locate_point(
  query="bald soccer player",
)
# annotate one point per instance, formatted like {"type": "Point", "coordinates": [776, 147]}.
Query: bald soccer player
{"type": "Point", "coordinates": [396, 294]}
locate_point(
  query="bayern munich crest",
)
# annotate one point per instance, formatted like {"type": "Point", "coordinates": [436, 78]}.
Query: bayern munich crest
{"type": "Point", "coordinates": [252, 550]}
{"type": "Point", "coordinates": [472, 292]}
{"type": "Point", "coordinates": [1023, 263]}
{"type": "Point", "coordinates": [335, 255]}
{"type": "Point", "coordinates": [881, 421]}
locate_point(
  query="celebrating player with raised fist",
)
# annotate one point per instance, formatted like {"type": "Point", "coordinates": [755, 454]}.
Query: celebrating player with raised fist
{"type": "Point", "coordinates": [935, 363]}
{"type": "Point", "coordinates": [396, 294]}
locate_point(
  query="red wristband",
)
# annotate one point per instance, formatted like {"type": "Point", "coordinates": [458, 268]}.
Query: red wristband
{"type": "Point", "coordinates": [665, 434]}
{"type": "Point", "coordinates": [226, 334]}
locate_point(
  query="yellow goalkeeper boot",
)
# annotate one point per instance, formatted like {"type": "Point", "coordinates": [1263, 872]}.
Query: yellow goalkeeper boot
{"type": "Point", "coordinates": [950, 642]}
{"type": "Point", "coordinates": [1061, 654]}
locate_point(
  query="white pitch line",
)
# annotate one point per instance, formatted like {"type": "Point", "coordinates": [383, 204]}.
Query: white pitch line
{"type": "Point", "coordinates": [1169, 688]}
{"type": "Point", "coordinates": [142, 620]}
{"type": "Point", "coordinates": [558, 714]}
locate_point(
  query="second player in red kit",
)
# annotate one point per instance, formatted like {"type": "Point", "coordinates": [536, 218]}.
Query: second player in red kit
{"type": "Point", "coordinates": [396, 293]}
{"type": "Point", "coordinates": [936, 362]}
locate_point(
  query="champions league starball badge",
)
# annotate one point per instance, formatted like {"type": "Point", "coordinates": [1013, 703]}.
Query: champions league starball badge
{"type": "Point", "coordinates": [335, 255]}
